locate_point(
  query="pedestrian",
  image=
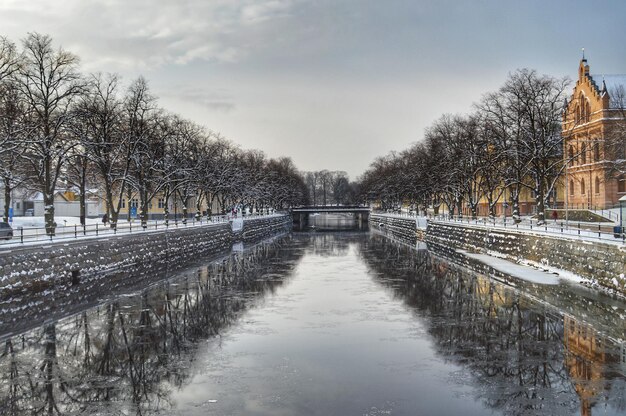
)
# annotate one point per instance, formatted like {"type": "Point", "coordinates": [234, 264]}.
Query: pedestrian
{"type": "Point", "coordinates": [105, 219]}
{"type": "Point", "coordinates": [555, 215]}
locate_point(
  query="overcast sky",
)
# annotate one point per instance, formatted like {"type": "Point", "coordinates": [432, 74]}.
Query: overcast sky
{"type": "Point", "coordinates": [331, 83]}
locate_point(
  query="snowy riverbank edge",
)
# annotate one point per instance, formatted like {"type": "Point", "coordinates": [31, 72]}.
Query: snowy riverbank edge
{"type": "Point", "coordinates": [602, 264]}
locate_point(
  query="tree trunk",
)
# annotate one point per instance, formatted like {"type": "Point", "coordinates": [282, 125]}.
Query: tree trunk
{"type": "Point", "coordinates": [515, 203]}
{"type": "Point", "coordinates": [143, 216]}
{"type": "Point", "coordinates": [185, 200]}
{"type": "Point", "coordinates": [83, 179]}
{"type": "Point", "coordinates": [48, 198]}
{"type": "Point", "coordinates": [166, 205]}
{"type": "Point", "coordinates": [541, 209]}
{"type": "Point", "coordinates": [112, 213]}
{"type": "Point", "coordinates": [129, 195]}
{"type": "Point", "coordinates": [7, 199]}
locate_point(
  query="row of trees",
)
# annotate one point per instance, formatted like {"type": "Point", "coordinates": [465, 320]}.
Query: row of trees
{"type": "Point", "coordinates": [510, 142]}
{"type": "Point", "coordinates": [59, 126]}
{"type": "Point", "coordinates": [330, 188]}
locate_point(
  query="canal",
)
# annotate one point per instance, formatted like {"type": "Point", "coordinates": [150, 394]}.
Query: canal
{"type": "Point", "coordinates": [326, 323]}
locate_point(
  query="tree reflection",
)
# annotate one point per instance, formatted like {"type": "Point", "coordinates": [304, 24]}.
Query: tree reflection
{"type": "Point", "coordinates": [126, 357]}
{"type": "Point", "coordinates": [524, 358]}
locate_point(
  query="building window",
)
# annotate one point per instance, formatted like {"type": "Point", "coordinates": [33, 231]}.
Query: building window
{"type": "Point", "coordinates": [582, 187]}
{"type": "Point", "coordinates": [570, 153]}
{"type": "Point", "coordinates": [161, 203]}
{"type": "Point", "coordinates": [134, 203]}
{"type": "Point", "coordinates": [596, 151]}
{"type": "Point", "coordinates": [17, 205]}
{"type": "Point", "coordinates": [621, 184]}
{"type": "Point", "coordinates": [597, 185]}
{"type": "Point", "coordinates": [571, 187]}
{"type": "Point", "coordinates": [583, 153]}
{"type": "Point", "coordinates": [123, 203]}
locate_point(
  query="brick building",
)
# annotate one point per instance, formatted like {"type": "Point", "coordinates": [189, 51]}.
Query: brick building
{"type": "Point", "coordinates": [593, 122]}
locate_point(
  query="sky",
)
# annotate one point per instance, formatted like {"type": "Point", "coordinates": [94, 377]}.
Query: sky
{"type": "Point", "coordinates": [331, 83]}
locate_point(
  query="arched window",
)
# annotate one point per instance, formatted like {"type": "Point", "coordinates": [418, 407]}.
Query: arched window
{"type": "Point", "coordinates": [621, 184]}
{"type": "Point", "coordinates": [583, 153]}
{"type": "Point", "coordinates": [582, 187]}
{"type": "Point", "coordinates": [570, 153]}
{"type": "Point", "coordinates": [587, 111]}
{"type": "Point", "coordinates": [596, 151]}
{"type": "Point", "coordinates": [577, 114]}
{"type": "Point", "coordinates": [597, 185]}
{"type": "Point", "coordinates": [571, 187]}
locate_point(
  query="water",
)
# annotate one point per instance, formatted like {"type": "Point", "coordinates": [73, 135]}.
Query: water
{"type": "Point", "coordinates": [327, 324]}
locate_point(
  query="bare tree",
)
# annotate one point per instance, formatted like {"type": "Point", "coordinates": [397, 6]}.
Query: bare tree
{"type": "Point", "coordinates": [539, 99]}
{"type": "Point", "coordinates": [50, 84]}
{"type": "Point", "coordinates": [12, 133]}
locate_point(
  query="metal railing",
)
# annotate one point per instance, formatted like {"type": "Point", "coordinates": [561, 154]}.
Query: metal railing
{"type": "Point", "coordinates": [23, 235]}
{"type": "Point", "coordinates": [572, 229]}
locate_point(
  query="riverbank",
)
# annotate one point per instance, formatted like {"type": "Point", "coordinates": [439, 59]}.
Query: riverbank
{"type": "Point", "coordinates": [96, 263]}
{"type": "Point", "coordinates": [598, 264]}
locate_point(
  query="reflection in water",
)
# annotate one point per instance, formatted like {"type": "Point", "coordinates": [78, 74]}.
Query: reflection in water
{"type": "Point", "coordinates": [525, 357]}
{"type": "Point", "coordinates": [127, 356]}
{"type": "Point", "coordinates": [335, 222]}
{"type": "Point", "coordinates": [365, 326]}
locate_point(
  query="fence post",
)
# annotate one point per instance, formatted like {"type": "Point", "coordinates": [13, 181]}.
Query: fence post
{"type": "Point", "coordinates": [579, 228]}
{"type": "Point", "coordinates": [96, 229]}
{"type": "Point", "coordinates": [75, 231]}
{"type": "Point", "coordinates": [21, 234]}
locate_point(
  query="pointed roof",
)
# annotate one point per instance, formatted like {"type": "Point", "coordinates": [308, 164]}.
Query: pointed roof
{"type": "Point", "coordinates": [615, 86]}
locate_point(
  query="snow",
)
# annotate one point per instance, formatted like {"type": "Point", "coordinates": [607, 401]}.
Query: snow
{"type": "Point", "coordinates": [34, 229]}
{"type": "Point", "coordinates": [524, 272]}
{"type": "Point", "coordinates": [39, 222]}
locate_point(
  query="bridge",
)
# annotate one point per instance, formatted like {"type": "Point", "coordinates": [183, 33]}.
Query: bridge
{"type": "Point", "coordinates": [301, 214]}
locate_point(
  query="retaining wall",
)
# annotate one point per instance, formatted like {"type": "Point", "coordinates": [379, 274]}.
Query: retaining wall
{"type": "Point", "coordinates": [403, 229]}
{"type": "Point", "coordinates": [600, 263]}
{"type": "Point", "coordinates": [136, 257]}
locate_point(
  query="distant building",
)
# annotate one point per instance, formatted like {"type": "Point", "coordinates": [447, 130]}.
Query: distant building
{"type": "Point", "coordinates": [593, 121]}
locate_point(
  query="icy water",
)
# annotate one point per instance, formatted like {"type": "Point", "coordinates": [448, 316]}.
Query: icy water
{"type": "Point", "coordinates": [326, 324]}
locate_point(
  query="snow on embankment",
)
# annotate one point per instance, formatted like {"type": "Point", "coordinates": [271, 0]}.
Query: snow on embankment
{"type": "Point", "coordinates": [597, 263]}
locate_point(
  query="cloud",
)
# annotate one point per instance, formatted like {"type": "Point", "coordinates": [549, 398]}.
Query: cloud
{"type": "Point", "coordinates": [219, 100]}
{"type": "Point", "coordinates": [146, 34]}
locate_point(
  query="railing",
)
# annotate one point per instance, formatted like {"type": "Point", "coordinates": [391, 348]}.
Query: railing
{"type": "Point", "coordinates": [23, 235]}
{"type": "Point", "coordinates": [572, 229]}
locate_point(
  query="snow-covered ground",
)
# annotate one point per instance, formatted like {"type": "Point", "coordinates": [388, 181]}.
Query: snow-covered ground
{"type": "Point", "coordinates": [39, 222]}
{"type": "Point", "coordinates": [588, 231]}
{"type": "Point", "coordinates": [524, 272]}
{"type": "Point", "coordinates": [33, 231]}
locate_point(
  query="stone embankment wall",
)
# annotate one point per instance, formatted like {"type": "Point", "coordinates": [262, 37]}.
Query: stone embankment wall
{"type": "Point", "coordinates": [256, 230]}
{"type": "Point", "coordinates": [403, 229]}
{"type": "Point", "coordinates": [137, 257]}
{"type": "Point", "coordinates": [600, 263]}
